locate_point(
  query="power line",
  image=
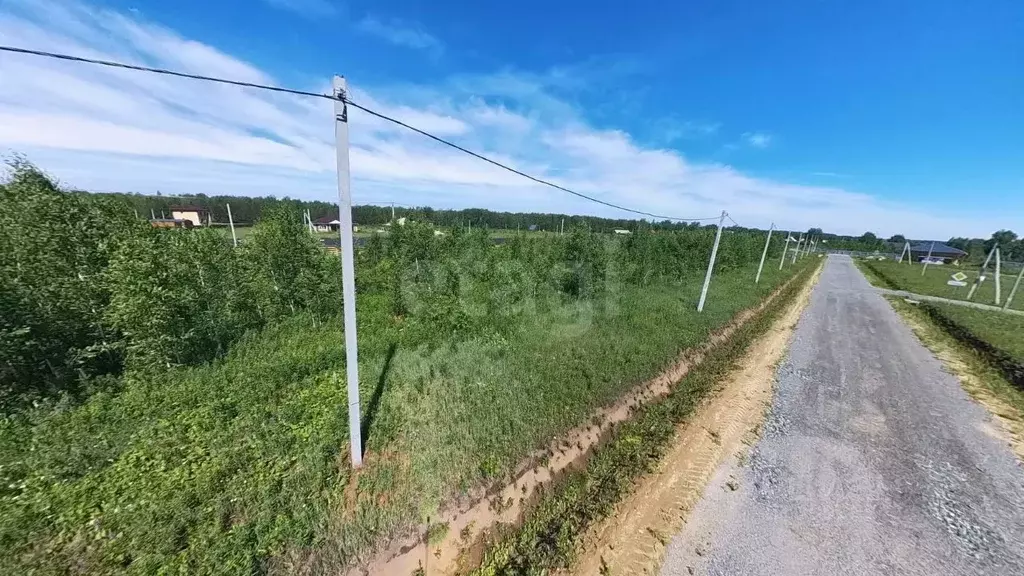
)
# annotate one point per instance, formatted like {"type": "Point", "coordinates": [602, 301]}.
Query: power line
{"type": "Point", "coordinates": [111, 64]}
{"type": "Point", "coordinates": [343, 98]}
{"type": "Point", "coordinates": [519, 172]}
{"type": "Point", "coordinates": [731, 220]}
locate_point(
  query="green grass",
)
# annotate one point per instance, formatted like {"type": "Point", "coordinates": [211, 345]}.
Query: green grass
{"type": "Point", "coordinates": [240, 466]}
{"type": "Point", "coordinates": [1004, 331]}
{"type": "Point", "coordinates": [549, 537]}
{"type": "Point", "coordinates": [933, 282]}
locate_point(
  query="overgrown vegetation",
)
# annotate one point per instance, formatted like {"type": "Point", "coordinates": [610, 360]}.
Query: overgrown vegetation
{"type": "Point", "coordinates": [549, 538]}
{"type": "Point", "coordinates": [88, 290]}
{"type": "Point", "coordinates": [174, 404]}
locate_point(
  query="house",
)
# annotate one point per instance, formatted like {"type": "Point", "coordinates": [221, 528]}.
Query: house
{"type": "Point", "coordinates": [621, 231]}
{"type": "Point", "coordinates": [327, 224]}
{"type": "Point", "coordinates": [170, 223]}
{"type": "Point", "coordinates": [939, 251]}
{"type": "Point", "coordinates": [193, 214]}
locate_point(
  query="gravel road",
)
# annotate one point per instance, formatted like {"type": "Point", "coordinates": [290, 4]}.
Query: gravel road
{"type": "Point", "coordinates": [872, 461]}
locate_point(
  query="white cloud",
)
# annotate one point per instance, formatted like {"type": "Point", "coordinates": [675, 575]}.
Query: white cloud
{"type": "Point", "coordinates": [401, 34]}
{"type": "Point", "coordinates": [116, 130]}
{"type": "Point", "coordinates": [308, 8]}
{"type": "Point", "coordinates": [673, 130]}
{"type": "Point", "coordinates": [758, 139]}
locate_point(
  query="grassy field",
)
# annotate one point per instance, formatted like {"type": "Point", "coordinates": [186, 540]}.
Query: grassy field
{"type": "Point", "coordinates": [240, 466]}
{"type": "Point", "coordinates": [171, 403]}
{"type": "Point", "coordinates": [551, 533]}
{"type": "Point", "coordinates": [909, 277]}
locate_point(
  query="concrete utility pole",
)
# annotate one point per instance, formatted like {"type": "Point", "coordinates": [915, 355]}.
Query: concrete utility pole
{"type": "Point", "coordinates": [231, 222]}
{"type": "Point", "coordinates": [764, 253]}
{"type": "Point", "coordinates": [561, 229]}
{"type": "Point", "coordinates": [981, 274]}
{"type": "Point", "coordinates": [785, 250]}
{"type": "Point", "coordinates": [797, 251]}
{"type": "Point", "coordinates": [906, 250]}
{"type": "Point", "coordinates": [348, 272]}
{"type": "Point", "coordinates": [711, 264]}
{"type": "Point", "coordinates": [928, 259]}
{"type": "Point", "coordinates": [999, 279]}
{"type": "Point", "coordinates": [1013, 291]}
{"type": "Point", "coordinates": [152, 214]}
{"type": "Point", "coordinates": [392, 211]}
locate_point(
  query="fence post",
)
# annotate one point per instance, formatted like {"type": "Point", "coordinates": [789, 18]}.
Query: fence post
{"type": "Point", "coordinates": [1013, 291]}
{"type": "Point", "coordinates": [927, 259]}
{"type": "Point", "coordinates": [764, 253]}
{"type": "Point", "coordinates": [981, 273]}
{"type": "Point", "coordinates": [348, 273]}
{"type": "Point", "coordinates": [711, 264]}
{"type": "Point", "coordinates": [785, 250]}
{"type": "Point", "coordinates": [231, 222]}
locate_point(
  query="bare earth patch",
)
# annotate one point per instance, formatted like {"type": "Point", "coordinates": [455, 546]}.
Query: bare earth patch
{"type": "Point", "coordinates": [974, 376]}
{"type": "Point", "coordinates": [632, 540]}
{"type": "Point", "coordinates": [467, 525]}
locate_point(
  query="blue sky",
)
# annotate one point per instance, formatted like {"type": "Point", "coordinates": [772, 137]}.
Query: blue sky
{"type": "Point", "coordinates": [895, 117]}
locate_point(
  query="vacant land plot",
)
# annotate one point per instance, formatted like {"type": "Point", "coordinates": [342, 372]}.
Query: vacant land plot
{"type": "Point", "coordinates": [172, 404]}
{"type": "Point", "coordinates": [903, 276]}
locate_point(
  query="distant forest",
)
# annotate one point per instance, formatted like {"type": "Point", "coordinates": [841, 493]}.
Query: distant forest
{"type": "Point", "coordinates": [247, 210]}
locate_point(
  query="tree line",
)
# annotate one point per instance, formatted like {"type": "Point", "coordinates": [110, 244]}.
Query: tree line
{"type": "Point", "coordinates": [247, 210]}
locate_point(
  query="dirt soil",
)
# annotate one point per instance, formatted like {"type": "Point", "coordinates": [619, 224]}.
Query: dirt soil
{"type": "Point", "coordinates": [633, 538]}
{"type": "Point", "coordinates": [469, 523]}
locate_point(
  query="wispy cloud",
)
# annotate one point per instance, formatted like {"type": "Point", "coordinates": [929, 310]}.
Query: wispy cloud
{"type": "Point", "coordinates": [401, 34]}
{"type": "Point", "coordinates": [673, 130]}
{"type": "Point", "coordinates": [307, 8]}
{"type": "Point", "coordinates": [103, 129]}
{"type": "Point", "coordinates": [757, 139]}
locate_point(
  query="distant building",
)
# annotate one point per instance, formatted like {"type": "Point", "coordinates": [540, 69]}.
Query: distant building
{"type": "Point", "coordinates": [532, 228]}
{"type": "Point", "coordinates": [193, 214]}
{"type": "Point", "coordinates": [327, 224]}
{"type": "Point", "coordinates": [941, 251]}
{"type": "Point", "coordinates": [621, 231]}
{"type": "Point", "coordinates": [170, 223]}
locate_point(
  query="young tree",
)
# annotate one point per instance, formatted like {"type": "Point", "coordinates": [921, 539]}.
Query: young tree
{"type": "Point", "coordinates": [54, 247]}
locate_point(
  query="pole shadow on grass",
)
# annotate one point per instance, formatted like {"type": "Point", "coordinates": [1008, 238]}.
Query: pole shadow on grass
{"type": "Point", "coordinates": [378, 393]}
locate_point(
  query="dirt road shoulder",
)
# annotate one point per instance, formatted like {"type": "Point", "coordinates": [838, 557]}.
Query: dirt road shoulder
{"type": "Point", "coordinates": [632, 540]}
